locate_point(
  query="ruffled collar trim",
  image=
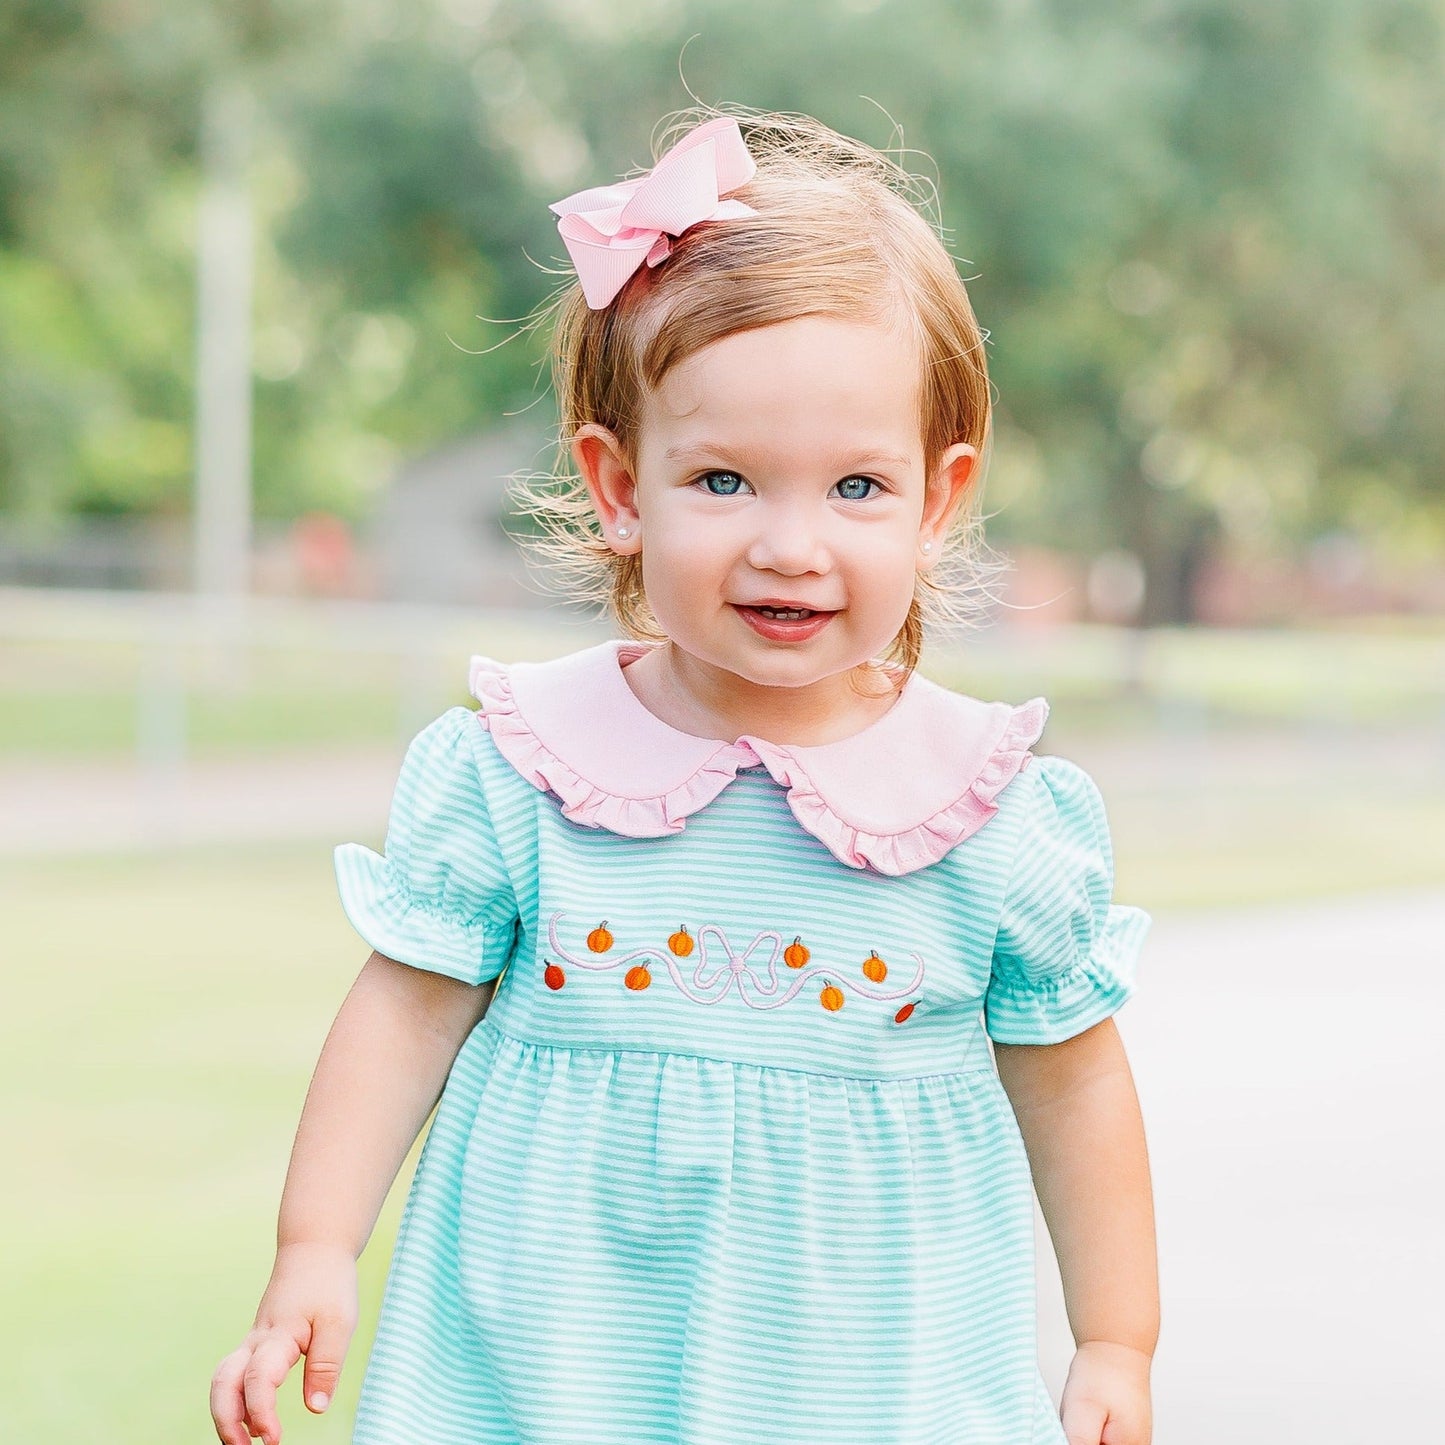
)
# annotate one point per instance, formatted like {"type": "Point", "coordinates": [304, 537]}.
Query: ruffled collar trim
{"type": "Point", "coordinates": [894, 797]}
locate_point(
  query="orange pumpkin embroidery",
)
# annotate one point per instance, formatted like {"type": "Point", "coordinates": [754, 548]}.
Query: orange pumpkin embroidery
{"type": "Point", "coordinates": [754, 980]}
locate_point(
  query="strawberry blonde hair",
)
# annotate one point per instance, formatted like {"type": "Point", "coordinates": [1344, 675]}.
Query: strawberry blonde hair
{"type": "Point", "coordinates": [838, 233]}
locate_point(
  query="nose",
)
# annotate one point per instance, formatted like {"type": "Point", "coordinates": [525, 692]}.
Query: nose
{"type": "Point", "coordinates": [790, 539]}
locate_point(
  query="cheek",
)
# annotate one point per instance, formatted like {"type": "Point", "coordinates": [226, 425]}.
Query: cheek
{"type": "Point", "coordinates": [686, 545]}
{"type": "Point", "coordinates": [904, 589]}
{"type": "Point", "coordinates": [886, 572]}
{"type": "Point", "coordinates": [888, 558]}
{"type": "Point", "coordinates": [679, 564]}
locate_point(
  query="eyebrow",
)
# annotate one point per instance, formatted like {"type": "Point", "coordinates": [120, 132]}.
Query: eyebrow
{"type": "Point", "coordinates": [701, 451]}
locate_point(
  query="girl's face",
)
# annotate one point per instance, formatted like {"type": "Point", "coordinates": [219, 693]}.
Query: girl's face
{"type": "Point", "coordinates": [780, 468]}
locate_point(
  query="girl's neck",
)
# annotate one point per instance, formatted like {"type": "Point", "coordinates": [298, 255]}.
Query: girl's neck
{"type": "Point", "coordinates": [710, 702]}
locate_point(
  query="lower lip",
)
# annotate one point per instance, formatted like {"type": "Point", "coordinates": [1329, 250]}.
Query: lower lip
{"type": "Point", "coordinates": [777, 630]}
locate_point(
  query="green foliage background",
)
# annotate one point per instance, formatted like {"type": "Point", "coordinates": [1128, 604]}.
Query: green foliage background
{"type": "Point", "coordinates": [1207, 236]}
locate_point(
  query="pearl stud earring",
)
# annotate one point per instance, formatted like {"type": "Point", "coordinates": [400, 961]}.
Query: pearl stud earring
{"type": "Point", "coordinates": [622, 531]}
{"type": "Point", "coordinates": [928, 546]}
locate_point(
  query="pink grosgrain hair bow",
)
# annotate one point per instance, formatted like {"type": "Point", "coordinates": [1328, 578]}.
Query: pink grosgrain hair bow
{"type": "Point", "coordinates": [610, 231]}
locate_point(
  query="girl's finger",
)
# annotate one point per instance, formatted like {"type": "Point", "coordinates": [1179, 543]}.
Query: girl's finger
{"type": "Point", "coordinates": [228, 1399]}
{"type": "Point", "coordinates": [271, 1361]}
{"type": "Point", "coordinates": [329, 1339]}
{"type": "Point", "coordinates": [1084, 1422]}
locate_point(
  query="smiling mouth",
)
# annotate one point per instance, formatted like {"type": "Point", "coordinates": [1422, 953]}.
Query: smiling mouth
{"type": "Point", "coordinates": [783, 623]}
{"type": "Point", "coordinates": [786, 614]}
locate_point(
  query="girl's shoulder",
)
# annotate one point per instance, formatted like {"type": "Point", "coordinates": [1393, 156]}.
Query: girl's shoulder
{"type": "Point", "coordinates": [1053, 797]}
{"type": "Point", "coordinates": [893, 798]}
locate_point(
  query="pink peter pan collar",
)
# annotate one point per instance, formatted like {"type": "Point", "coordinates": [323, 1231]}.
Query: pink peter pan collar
{"type": "Point", "coordinates": [895, 797]}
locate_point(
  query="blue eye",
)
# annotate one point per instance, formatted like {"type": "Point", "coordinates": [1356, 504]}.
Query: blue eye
{"type": "Point", "coordinates": [848, 488]}
{"type": "Point", "coordinates": [722, 484]}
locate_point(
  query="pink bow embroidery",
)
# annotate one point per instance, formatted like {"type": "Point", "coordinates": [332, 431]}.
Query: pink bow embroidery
{"type": "Point", "coordinates": [609, 231]}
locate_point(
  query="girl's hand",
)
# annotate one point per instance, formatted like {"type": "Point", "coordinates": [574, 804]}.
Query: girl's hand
{"type": "Point", "coordinates": [1106, 1397]}
{"type": "Point", "coordinates": [309, 1308]}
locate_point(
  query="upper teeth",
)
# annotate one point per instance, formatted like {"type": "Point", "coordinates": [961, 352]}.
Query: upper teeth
{"type": "Point", "coordinates": [792, 614]}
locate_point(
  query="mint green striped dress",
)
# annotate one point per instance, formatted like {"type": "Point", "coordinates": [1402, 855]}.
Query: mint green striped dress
{"type": "Point", "coordinates": [728, 1159]}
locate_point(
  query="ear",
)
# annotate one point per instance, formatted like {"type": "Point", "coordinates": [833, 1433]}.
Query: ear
{"type": "Point", "coordinates": [946, 490]}
{"type": "Point", "coordinates": [607, 474]}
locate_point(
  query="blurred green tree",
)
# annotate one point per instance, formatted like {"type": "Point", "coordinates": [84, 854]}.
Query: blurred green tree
{"type": "Point", "coordinates": [1206, 237]}
{"type": "Point", "coordinates": [100, 104]}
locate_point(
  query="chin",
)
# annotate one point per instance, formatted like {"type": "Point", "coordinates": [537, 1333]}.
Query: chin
{"type": "Point", "coordinates": [794, 671]}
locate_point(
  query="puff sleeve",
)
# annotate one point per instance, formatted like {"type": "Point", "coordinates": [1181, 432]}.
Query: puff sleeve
{"type": "Point", "coordinates": [441, 898]}
{"type": "Point", "coordinates": [1064, 955]}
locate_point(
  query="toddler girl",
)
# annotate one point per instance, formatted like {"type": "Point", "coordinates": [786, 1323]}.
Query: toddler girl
{"type": "Point", "coordinates": [701, 936]}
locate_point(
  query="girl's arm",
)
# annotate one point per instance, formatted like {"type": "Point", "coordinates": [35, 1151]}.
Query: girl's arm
{"type": "Point", "coordinates": [380, 1073]}
{"type": "Point", "coordinates": [1079, 1116]}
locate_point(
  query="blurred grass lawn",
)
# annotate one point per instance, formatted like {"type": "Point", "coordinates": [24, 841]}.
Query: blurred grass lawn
{"type": "Point", "coordinates": [66, 698]}
{"type": "Point", "coordinates": [163, 1015]}
{"type": "Point", "coordinates": [162, 1019]}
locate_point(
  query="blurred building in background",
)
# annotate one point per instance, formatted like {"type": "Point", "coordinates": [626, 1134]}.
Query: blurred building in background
{"type": "Point", "coordinates": [439, 532]}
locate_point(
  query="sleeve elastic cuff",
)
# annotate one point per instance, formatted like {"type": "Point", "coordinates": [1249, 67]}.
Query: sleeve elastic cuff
{"type": "Point", "coordinates": [1062, 1005]}
{"type": "Point", "coordinates": [397, 924]}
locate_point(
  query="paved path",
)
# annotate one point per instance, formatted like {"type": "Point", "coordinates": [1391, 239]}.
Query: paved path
{"type": "Point", "coordinates": [1289, 1064]}
{"type": "Point", "coordinates": [52, 808]}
